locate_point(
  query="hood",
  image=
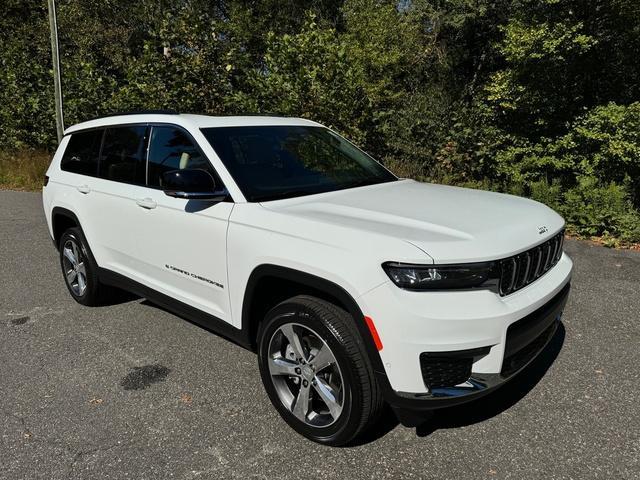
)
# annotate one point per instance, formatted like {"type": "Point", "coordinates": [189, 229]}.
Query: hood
{"type": "Point", "coordinates": [450, 224]}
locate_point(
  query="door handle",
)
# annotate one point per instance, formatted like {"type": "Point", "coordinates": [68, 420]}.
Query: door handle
{"type": "Point", "coordinates": [147, 203]}
{"type": "Point", "coordinates": [83, 189]}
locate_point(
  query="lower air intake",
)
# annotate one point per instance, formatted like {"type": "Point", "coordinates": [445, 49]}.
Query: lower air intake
{"type": "Point", "coordinates": [448, 369]}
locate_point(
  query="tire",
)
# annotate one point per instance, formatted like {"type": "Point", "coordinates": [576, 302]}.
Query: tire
{"type": "Point", "coordinates": [344, 398]}
{"type": "Point", "coordinates": [81, 277]}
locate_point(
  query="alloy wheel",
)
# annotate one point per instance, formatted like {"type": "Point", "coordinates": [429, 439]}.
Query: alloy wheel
{"type": "Point", "coordinates": [75, 271]}
{"type": "Point", "coordinates": [306, 375]}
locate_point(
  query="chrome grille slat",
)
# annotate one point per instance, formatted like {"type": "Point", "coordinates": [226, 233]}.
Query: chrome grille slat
{"type": "Point", "coordinates": [546, 252]}
{"type": "Point", "coordinates": [560, 246]}
{"type": "Point", "coordinates": [555, 243]}
{"type": "Point", "coordinates": [539, 251]}
{"type": "Point", "coordinates": [527, 259]}
{"type": "Point", "coordinates": [512, 283]}
{"type": "Point", "coordinates": [523, 261]}
{"type": "Point", "coordinates": [535, 264]}
{"type": "Point", "coordinates": [526, 267]}
{"type": "Point", "coordinates": [508, 275]}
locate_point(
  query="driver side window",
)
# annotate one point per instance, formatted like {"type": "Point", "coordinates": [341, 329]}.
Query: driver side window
{"type": "Point", "coordinates": [170, 148]}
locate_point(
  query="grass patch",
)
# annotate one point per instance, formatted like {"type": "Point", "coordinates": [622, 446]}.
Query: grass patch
{"type": "Point", "coordinates": [23, 169]}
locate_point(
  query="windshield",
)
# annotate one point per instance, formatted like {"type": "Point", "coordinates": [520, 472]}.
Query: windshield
{"type": "Point", "coordinates": [274, 162]}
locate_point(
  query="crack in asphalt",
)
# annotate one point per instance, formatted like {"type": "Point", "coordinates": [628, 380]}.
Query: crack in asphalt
{"type": "Point", "coordinates": [80, 455]}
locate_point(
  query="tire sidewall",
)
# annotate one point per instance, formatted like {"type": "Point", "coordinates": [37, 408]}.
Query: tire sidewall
{"type": "Point", "coordinates": [349, 420]}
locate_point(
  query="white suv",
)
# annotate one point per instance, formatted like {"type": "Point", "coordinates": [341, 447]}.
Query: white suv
{"type": "Point", "coordinates": [355, 288]}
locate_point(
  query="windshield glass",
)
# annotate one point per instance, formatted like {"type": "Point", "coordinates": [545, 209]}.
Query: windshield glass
{"type": "Point", "coordinates": [274, 162]}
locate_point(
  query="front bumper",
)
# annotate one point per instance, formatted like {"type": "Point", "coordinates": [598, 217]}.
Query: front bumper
{"type": "Point", "coordinates": [510, 331]}
{"type": "Point", "coordinates": [543, 324]}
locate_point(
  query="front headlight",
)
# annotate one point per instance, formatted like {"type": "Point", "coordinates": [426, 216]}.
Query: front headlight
{"type": "Point", "coordinates": [484, 275]}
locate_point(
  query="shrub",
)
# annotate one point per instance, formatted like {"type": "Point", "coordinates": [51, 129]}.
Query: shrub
{"type": "Point", "coordinates": [592, 208]}
{"type": "Point", "coordinates": [605, 143]}
{"type": "Point", "coordinates": [548, 193]}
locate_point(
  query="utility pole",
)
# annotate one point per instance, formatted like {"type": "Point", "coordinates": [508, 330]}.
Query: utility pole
{"type": "Point", "coordinates": [55, 60]}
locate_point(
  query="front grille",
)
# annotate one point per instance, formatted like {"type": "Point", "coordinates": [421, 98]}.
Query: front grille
{"type": "Point", "coordinates": [526, 267]}
{"type": "Point", "coordinates": [448, 369]}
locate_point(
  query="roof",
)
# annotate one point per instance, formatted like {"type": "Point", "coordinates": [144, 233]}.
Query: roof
{"type": "Point", "coordinates": [189, 121]}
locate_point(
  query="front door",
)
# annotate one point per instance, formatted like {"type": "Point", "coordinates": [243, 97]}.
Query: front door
{"type": "Point", "coordinates": [183, 245]}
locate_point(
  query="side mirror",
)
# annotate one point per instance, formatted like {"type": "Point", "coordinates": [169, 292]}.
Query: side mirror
{"type": "Point", "coordinates": [192, 184]}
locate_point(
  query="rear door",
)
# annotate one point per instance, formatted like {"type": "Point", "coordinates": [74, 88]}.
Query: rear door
{"type": "Point", "coordinates": [77, 176]}
{"type": "Point", "coordinates": [115, 216]}
{"type": "Point", "coordinates": [182, 244]}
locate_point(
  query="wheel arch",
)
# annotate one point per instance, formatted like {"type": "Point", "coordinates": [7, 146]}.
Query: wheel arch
{"type": "Point", "coordinates": [61, 220]}
{"type": "Point", "coordinates": [271, 284]}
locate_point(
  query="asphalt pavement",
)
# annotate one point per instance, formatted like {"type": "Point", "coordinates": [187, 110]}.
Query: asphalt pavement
{"type": "Point", "coordinates": [132, 391]}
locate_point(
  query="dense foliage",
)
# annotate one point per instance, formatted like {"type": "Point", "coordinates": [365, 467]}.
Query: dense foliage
{"type": "Point", "coordinates": [534, 97]}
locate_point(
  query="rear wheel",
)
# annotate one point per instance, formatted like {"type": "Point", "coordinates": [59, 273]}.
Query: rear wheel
{"type": "Point", "coordinates": [316, 372]}
{"type": "Point", "coordinates": [79, 269]}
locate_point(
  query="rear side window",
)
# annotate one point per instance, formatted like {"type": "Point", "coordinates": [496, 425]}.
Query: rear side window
{"type": "Point", "coordinates": [123, 157]}
{"type": "Point", "coordinates": [81, 154]}
{"type": "Point", "coordinates": [171, 148]}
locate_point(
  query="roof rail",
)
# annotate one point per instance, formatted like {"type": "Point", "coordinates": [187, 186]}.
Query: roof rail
{"type": "Point", "coordinates": [240, 114]}
{"type": "Point", "coordinates": [140, 112]}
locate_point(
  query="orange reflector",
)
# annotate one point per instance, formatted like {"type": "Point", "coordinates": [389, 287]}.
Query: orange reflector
{"type": "Point", "coordinates": [374, 332]}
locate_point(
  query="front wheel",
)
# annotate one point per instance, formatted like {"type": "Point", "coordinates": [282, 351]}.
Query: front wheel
{"type": "Point", "coordinates": [316, 372]}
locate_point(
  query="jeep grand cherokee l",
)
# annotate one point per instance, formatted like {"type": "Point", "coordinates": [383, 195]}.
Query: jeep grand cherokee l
{"type": "Point", "coordinates": [354, 287]}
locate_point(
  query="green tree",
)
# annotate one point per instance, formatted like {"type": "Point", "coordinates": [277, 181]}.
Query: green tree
{"type": "Point", "coordinates": [537, 98]}
{"type": "Point", "coordinates": [562, 57]}
{"type": "Point", "coordinates": [26, 86]}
